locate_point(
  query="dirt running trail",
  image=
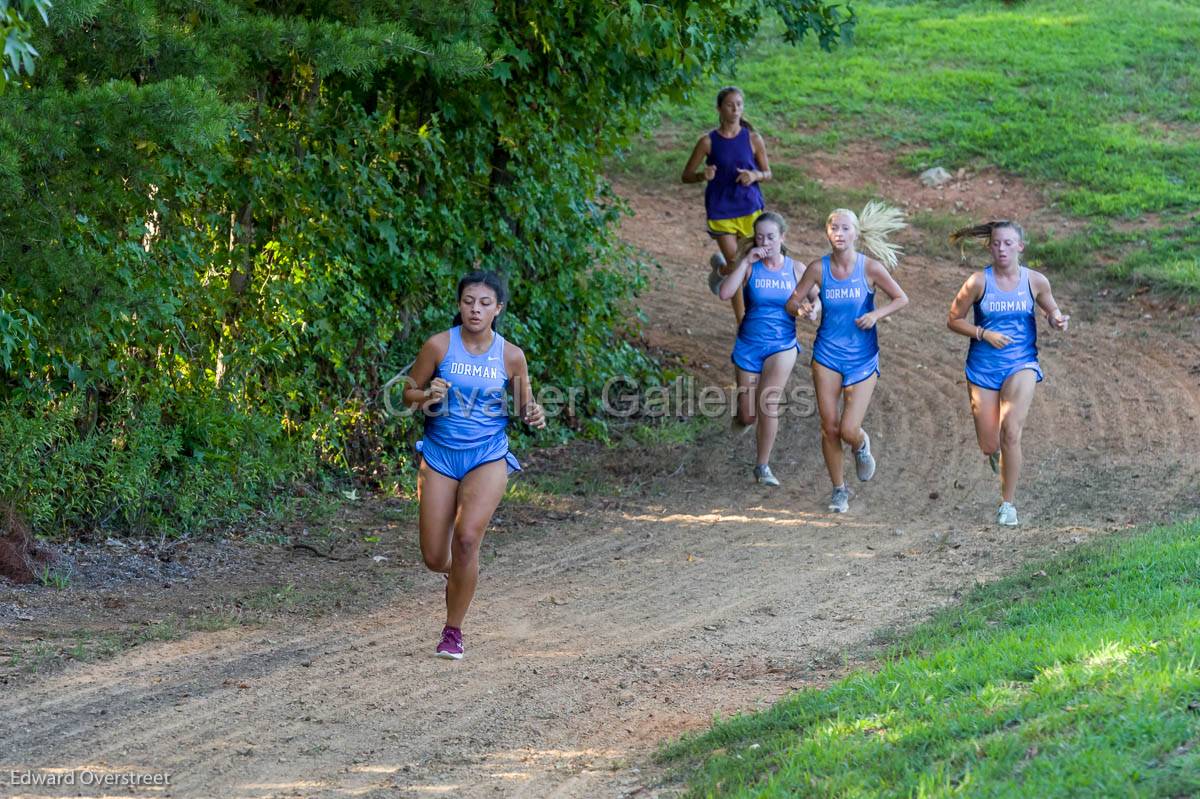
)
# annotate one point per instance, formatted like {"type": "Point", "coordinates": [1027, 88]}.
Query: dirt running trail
{"type": "Point", "coordinates": [595, 638]}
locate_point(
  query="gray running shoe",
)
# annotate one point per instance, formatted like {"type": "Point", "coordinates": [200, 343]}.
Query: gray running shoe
{"type": "Point", "coordinates": [994, 462]}
{"type": "Point", "coordinates": [717, 262]}
{"type": "Point", "coordinates": [1006, 514]}
{"type": "Point", "coordinates": [763, 475]}
{"type": "Point", "coordinates": [840, 501]}
{"type": "Point", "coordinates": [864, 464]}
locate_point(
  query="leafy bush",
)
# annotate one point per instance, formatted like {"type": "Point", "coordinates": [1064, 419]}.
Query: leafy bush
{"type": "Point", "coordinates": [226, 224]}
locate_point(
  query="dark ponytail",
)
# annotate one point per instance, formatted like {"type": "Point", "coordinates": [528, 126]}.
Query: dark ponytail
{"type": "Point", "coordinates": [983, 233]}
{"type": "Point", "coordinates": [483, 278]}
{"type": "Point", "coordinates": [728, 90]}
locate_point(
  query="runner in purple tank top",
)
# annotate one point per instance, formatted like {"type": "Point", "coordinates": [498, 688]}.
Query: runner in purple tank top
{"type": "Point", "coordinates": [735, 159]}
{"type": "Point", "coordinates": [845, 364]}
{"type": "Point", "coordinates": [458, 381]}
{"type": "Point", "coordinates": [1002, 364]}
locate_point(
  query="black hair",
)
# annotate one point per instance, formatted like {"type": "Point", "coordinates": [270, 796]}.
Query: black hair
{"type": "Point", "coordinates": [725, 92]}
{"type": "Point", "coordinates": [486, 278]}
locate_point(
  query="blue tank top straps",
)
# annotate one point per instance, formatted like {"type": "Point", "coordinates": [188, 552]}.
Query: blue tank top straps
{"type": "Point", "coordinates": [1010, 313]}
{"type": "Point", "coordinates": [724, 197]}
{"type": "Point", "coordinates": [475, 410]}
{"type": "Point", "coordinates": [766, 293]}
{"type": "Point", "coordinates": [840, 345]}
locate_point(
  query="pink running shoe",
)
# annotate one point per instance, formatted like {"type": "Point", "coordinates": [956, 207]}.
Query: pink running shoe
{"type": "Point", "coordinates": [451, 646]}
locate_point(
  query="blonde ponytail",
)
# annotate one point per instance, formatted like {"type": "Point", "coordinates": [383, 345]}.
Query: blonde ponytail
{"type": "Point", "coordinates": [875, 224]}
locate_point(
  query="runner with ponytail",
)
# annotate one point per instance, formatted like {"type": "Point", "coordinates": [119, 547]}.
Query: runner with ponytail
{"type": "Point", "coordinates": [845, 362]}
{"type": "Point", "coordinates": [1002, 359]}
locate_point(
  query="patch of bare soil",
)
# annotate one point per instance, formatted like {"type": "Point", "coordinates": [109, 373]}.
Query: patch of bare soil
{"type": "Point", "coordinates": [20, 556]}
{"type": "Point", "coordinates": [114, 593]}
{"type": "Point", "coordinates": [976, 194]}
{"type": "Point", "coordinates": [611, 623]}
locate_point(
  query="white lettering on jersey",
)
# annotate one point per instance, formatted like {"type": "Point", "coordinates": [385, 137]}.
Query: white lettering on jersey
{"type": "Point", "coordinates": [474, 370]}
{"type": "Point", "coordinates": [994, 306]}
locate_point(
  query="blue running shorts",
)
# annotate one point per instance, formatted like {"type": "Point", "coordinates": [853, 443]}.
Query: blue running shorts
{"type": "Point", "coordinates": [993, 379]}
{"type": "Point", "coordinates": [750, 357]}
{"type": "Point", "coordinates": [854, 373]}
{"type": "Point", "coordinates": [456, 463]}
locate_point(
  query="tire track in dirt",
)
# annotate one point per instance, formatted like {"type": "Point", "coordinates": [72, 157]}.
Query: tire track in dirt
{"type": "Point", "coordinates": [707, 595]}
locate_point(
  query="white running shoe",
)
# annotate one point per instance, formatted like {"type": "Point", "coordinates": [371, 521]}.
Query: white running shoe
{"type": "Point", "coordinates": [994, 462]}
{"type": "Point", "coordinates": [762, 474]}
{"type": "Point", "coordinates": [1006, 514]}
{"type": "Point", "coordinates": [840, 501]}
{"type": "Point", "coordinates": [717, 262]}
{"type": "Point", "coordinates": [864, 464]}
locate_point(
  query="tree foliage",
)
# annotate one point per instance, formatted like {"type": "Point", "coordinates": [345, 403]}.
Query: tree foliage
{"type": "Point", "coordinates": [224, 225]}
{"type": "Point", "coordinates": [15, 32]}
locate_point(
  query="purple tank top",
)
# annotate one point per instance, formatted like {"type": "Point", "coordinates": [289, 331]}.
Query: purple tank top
{"type": "Point", "coordinates": [724, 197]}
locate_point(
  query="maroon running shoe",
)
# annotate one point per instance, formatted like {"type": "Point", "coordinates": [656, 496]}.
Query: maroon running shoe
{"type": "Point", "coordinates": [451, 646]}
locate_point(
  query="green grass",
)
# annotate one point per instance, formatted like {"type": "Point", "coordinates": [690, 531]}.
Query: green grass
{"type": "Point", "coordinates": [1098, 101]}
{"type": "Point", "coordinates": [1077, 678]}
{"type": "Point", "coordinates": [671, 431]}
{"type": "Point", "coordinates": [565, 478]}
{"type": "Point", "coordinates": [54, 578]}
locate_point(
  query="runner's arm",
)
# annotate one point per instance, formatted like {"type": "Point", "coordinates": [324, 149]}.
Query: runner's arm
{"type": "Point", "coordinates": [1039, 284]}
{"type": "Point", "coordinates": [810, 282]}
{"type": "Point", "coordinates": [420, 391]}
{"type": "Point", "coordinates": [814, 293]}
{"type": "Point", "coordinates": [763, 173]}
{"type": "Point", "coordinates": [530, 412]}
{"type": "Point", "coordinates": [733, 281]}
{"type": "Point", "coordinates": [878, 275]}
{"type": "Point", "coordinates": [699, 153]}
{"type": "Point", "coordinates": [967, 296]}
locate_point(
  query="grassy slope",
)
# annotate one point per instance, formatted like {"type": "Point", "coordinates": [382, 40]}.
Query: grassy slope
{"type": "Point", "coordinates": [1100, 101]}
{"type": "Point", "coordinates": [1078, 679]}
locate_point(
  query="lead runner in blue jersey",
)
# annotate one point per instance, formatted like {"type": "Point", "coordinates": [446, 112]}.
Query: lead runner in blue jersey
{"type": "Point", "coordinates": [765, 349]}
{"type": "Point", "coordinates": [1002, 360]}
{"type": "Point", "coordinates": [845, 362]}
{"type": "Point", "coordinates": [459, 381]}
